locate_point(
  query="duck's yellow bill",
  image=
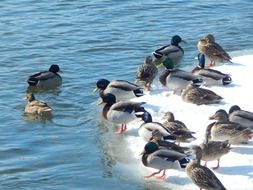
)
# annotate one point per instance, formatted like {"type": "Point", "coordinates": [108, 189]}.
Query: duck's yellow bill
{"type": "Point", "coordinates": [160, 65]}
{"type": "Point", "coordinates": [95, 89]}
{"type": "Point", "coordinates": [101, 102]}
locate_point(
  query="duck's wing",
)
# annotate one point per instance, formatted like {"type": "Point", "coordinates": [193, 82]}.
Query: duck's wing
{"type": "Point", "coordinates": [214, 49]}
{"type": "Point", "coordinates": [178, 73]}
{"type": "Point", "coordinates": [205, 178]}
{"type": "Point", "coordinates": [45, 75]}
{"type": "Point", "coordinates": [168, 154]}
{"type": "Point", "coordinates": [211, 73]}
{"type": "Point", "coordinates": [244, 114]}
{"type": "Point", "coordinates": [128, 106]}
{"type": "Point", "coordinates": [124, 85]}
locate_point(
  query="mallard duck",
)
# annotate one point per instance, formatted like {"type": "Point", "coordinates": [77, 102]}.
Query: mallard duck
{"type": "Point", "coordinates": [202, 176]}
{"type": "Point", "coordinates": [237, 115]}
{"type": "Point", "coordinates": [210, 76]}
{"type": "Point", "coordinates": [121, 112]}
{"type": "Point", "coordinates": [214, 150]}
{"type": "Point", "coordinates": [157, 137]}
{"type": "Point", "coordinates": [213, 50]}
{"type": "Point", "coordinates": [121, 89]}
{"type": "Point", "coordinates": [146, 129]}
{"type": "Point", "coordinates": [177, 79]}
{"type": "Point", "coordinates": [162, 159]}
{"type": "Point", "coordinates": [223, 129]}
{"type": "Point", "coordinates": [177, 128]}
{"type": "Point", "coordinates": [46, 79]}
{"type": "Point", "coordinates": [146, 73]}
{"type": "Point", "coordinates": [34, 106]}
{"type": "Point", "coordinates": [197, 95]}
{"type": "Point", "coordinates": [172, 53]}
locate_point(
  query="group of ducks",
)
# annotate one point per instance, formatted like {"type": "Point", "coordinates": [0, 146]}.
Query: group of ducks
{"type": "Point", "coordinates": [163, 150]}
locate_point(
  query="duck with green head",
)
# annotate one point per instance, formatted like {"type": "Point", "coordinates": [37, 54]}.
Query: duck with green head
{"type": "Point", "coordinates": [210, 76]}
{"type": "Point", "coordinates": [172, 52]}
{"type": "Point", "coordinates": [177, 79]}
{"type": "Point", "coordinates": [46, 79]}
{"type": "Point", "coordinates": [121, 89]}
{"type": "Point", "coordinates": [121, 112]}
{"type": "Point", "coordinates": [162, 159]}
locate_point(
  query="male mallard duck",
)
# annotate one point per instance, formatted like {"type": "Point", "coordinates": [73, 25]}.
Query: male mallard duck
{"type": "Point", "coordinates": [121, 89]}
{"type": "Point", "coordinates": [177, 79]}
{"type": "Point", "coordinates": [162, 159]}
{"type": "Point", "coordinates": [34, 106]}
{"type": "Point", "coordinates": [210, 76]}
{"type": "Point", "coordinates": [178, 128]}
{"type": "Point", "coordinates": [245, 118]}
{"type": "Point", "coordinates": [46, 79]}
{"type": "Point", "coordinates": [197, 95]}
{"type": "Point", "coordinates": [157, 137]}
{"type": "Point", "coordinates": [202, 176]}
{"type": "Point", "coordinates": [146, 73]}
{"type": "Point", "coordinates": [214, 150]}
{"type": "Point", "coordinates": [223, 129]}
{"type": "Point", "coordinates": [122, 112]}
{"type": "Point", "coordinates": [172, 53]}
{"type": "Point", "coordinates": [146, 129]}
{"type": "Point", "coordinates": [213, 50]}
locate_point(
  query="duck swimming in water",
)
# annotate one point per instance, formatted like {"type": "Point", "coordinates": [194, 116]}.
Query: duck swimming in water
{"type": "Point", "coordinates": [121, 112]}
{"type": "Point", "coordinates": [171, 53]}
{"type": "Point", "coordinates": [121, 89]}
{"type": "Point", "coordinates": [210, 76]}
{"type": "Point", "coordinates": [46, 79]}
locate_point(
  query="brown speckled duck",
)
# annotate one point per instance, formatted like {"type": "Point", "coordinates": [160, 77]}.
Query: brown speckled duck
{"type": "Point", "coordinates": [197, 95]}
{"type": "Point", "coordinates": [177, 128]}
{"type": "Point", "coordinates": [202, 176]}
{"type": "Point", "coordinates": [34, 106]}
{"type": "Point", "coordinates": [146, 73]}
{"type": "Point", "coordinates": [223, 129]}
{"type": "Point", "coordinates": [213, 50]}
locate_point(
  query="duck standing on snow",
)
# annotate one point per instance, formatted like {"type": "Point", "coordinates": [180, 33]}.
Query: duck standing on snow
{"type": "Point", "coordinates": [213, 50]}
{"type": "Point", "coordinates": [146, 73]}
{"type": "Point", "coordinates": [172, 53]}
{"type": "Point", "coordinates": [121, 89]}
{"type": "Point", "coordinates": [162, 159]}
{"type": "Point", "coordinates": [46, 79]}
{"type": "Point", "coordinates": [122, 112]}
{"type": "Point", "coordinates": [177, 79]}
{"type": "Point", "coordinates": [237, 115]}
{"type": "Point", "coordinates": [34, 106]}
{"type": "Point", "coordinates": [210, 76]}
{"type": "Point", "coordinates": [202, 176]}
{"type": "Point", "coordinates": [149, 126]}
{"type": "Point", "coordinates": [223, 129]}
{"type": "Point", "coordinates": [197, 95]}
{"type": "Point", "coordinates": [178, 128]}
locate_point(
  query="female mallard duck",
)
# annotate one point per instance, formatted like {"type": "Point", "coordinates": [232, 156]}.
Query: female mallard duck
{"type": "Point", "coordinates": [210, 76]}
{"type": "Point", "coordinates": [34, 106]}
{"type": "Point", "coordinates": [177, 79]}
{"type": "Point", "coordinates": [223, 129]}
{"type": "Point", "coordinates": [157, 137]}
{"type": "Point", "coordinates": [197, 95]}
{"type": "Point", "coordinates": [46, 79]}
{"type": "Point", "coordinates": [178, 129]}
{"type": "Point", "coordinates": [146, 73]}
{"type": "Point", "coordinates": [172, 53]}
{"type": "Point", "coordinates": [214, 150]}
{"type": "Point", "coordinates": [213, 50]}
{"type": "Point", "coordinates": [146, 129]}
{"type": "Point", "coordinates": [162, 159]}
{"type": "Point", "coordinates": [245, 118]}
{"type": "Point", "coordinates": [202, 176]}
{"type": "Point", "coordinates": [120, 113]}
{"type": "Point", "coordinates": [121, 89]}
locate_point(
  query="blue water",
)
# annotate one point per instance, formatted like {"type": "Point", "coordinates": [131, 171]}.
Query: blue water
{"type": "Point", "coordinates": [90, 40]}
